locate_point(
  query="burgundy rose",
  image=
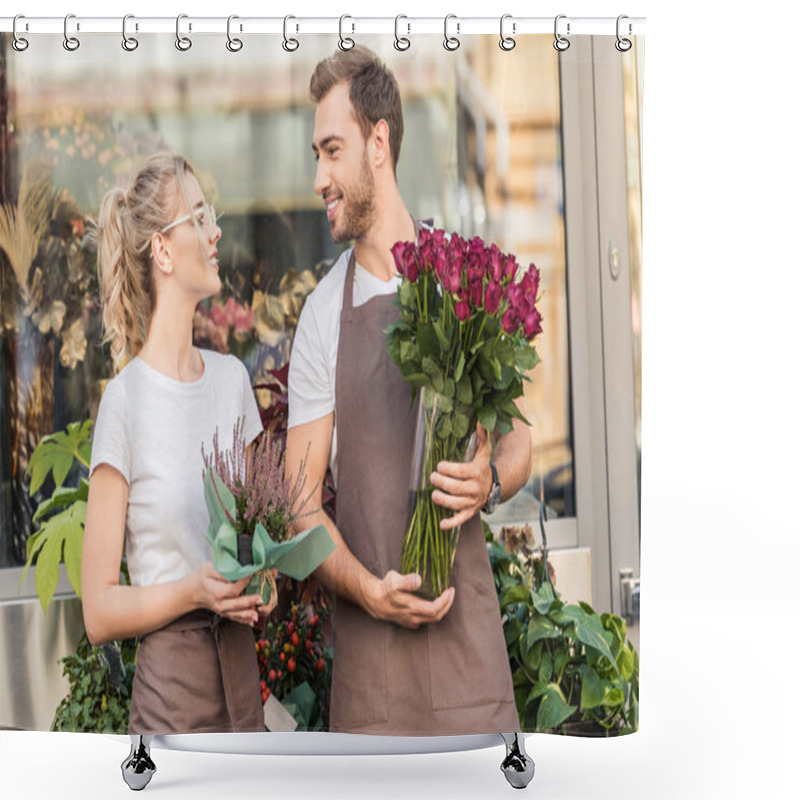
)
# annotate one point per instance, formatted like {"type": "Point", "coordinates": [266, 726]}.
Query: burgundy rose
{"type": "Point", "coordinates": [426, 257]}
{"type": "Point", "coordinates": [530, 284]}
{"type": "Point", "coordinates": [462, 310]}
{"type": "Point", "coordinates": [452, 279]}
{"type": "Point", "coordinates": [495, 263]}
{"type": "Point", "coordinates": [440, 264]}
{"type": "Point", "coordinates": [412, 271]}
{"type": "Point", "coordinates": [510, 268]}
{"type": "Point", "coordinates": [510, 321]}
{"type": "Point", "coordinates": [532, 324]}
{"type": "Point", "coordinates": [439, 238]}
{"type": "Point", "coordinates": [425, 237]}
{"type": "Point", "coordinates": [476, 246]}
{"type": "Point", "coordinates": [399, 252]}
{"type": "Point", "coordinates": [494, 294]}
{"type": "Point", "coordinates": [476, 293]}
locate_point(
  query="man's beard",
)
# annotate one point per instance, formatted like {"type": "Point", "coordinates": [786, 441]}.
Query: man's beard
{"type": "Point", "coordinates": [359, 207]}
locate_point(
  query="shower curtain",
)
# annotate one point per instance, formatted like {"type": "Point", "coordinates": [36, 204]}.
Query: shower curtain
{"type": "Point", "coordinates": [526, 153]}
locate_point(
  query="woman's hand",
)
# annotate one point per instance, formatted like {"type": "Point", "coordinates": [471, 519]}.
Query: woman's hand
{"type": "Point", "coordinates": [225, 597]}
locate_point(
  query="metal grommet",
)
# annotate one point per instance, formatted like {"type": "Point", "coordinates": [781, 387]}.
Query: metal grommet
{"type": "Point", "coordinates": [20, 43]}
{"type": "Point", "coordinates": [290, 44]}
{"type": "Point", "coordinates": [183, 43]}
{"type": "Point", "coordinates": [233, 44]}
{"type": "Point", "coordinates": [451, 42]}
{"type": "Point", "coordinates": [506, 42]}
{"type": "Point", "coordinates": [623, 45]}
{"type": "Point", "coordinates": [401, 43]}
{"type": "Point", "coordinates": [71, 43]}
{"type": "Point", "coordinates": [129, 43]}
{"type": "Point", "coordinates": [345, 42]}
{"type": "Point", "coordinates": [561, 43]}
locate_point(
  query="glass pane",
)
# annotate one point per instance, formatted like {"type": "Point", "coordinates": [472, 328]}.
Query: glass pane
{"type": "Point", "coordinates": [481, 155]}
{"type": "Point", "coordinates": [511, 192]}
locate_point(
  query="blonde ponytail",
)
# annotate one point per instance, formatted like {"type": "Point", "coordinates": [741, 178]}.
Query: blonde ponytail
{"type": "Point", "coordinates": [127, 221]}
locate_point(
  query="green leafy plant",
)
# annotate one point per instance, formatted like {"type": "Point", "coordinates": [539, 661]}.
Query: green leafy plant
{"type": "Point", "coordinates": [100, 684]}
{"type": "Point", "coordinates": [573, 670]}
{"type": "Point", "coordinates": [62, 515]}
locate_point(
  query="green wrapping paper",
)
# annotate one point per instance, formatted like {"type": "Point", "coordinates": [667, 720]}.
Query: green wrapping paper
{"type": "Point", "coordinates": [297, 557]}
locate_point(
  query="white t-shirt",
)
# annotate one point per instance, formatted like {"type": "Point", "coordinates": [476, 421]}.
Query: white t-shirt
{"type": "Point", "coordinates": [151, 427]}
{"type": "Point", "coordinates": [312, 365]}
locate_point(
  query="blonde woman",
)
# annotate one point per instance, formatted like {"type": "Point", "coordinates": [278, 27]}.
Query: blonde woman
{"type": "Point", "coordinates": [196, 665]}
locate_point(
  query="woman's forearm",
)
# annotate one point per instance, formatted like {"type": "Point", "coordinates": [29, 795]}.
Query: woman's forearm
{"type": "Point", "coordinates": [122, 612]}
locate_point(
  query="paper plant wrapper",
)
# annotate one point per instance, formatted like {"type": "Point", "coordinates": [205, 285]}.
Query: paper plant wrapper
{"type": "Point", "coordinates": [297, 557]}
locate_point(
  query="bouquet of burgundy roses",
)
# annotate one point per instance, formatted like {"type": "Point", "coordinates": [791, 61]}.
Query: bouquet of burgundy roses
{"type": "Point", "coordinates": [463, 340]}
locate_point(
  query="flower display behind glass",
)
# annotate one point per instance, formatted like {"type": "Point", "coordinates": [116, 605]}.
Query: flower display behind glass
{"type": "Point", "coordinates": [462, 339]}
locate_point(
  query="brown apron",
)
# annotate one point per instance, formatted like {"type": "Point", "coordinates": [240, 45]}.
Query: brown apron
{"type": "Point", "coordinates": [198, 674]}
{"type": "Point", "coordinates": [451, 677]}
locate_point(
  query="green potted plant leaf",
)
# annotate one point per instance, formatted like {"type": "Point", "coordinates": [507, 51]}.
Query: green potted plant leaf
{"type": "Point", "coordinates": [573, 670]}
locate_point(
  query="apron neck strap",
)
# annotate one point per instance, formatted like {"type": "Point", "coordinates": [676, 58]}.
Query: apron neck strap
{"type": "Point", "coordinates": [347, 302]}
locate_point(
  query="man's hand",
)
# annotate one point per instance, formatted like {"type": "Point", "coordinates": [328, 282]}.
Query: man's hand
{"type": "Point", "coordinates": [393, 601]}
{"type": "Point", "coordinates": [464, 488]}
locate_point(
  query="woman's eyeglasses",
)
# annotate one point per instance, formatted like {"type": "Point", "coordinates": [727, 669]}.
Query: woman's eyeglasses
{"type": "Point", "coordinates": [205, 216]}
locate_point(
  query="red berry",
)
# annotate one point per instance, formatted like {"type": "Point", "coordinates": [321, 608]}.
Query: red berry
{"type": "Point", "coordinates": [292, 665]}
{"type": "Point", "coordinates": [290, 629]}
{"type": "Point", "coordinates": [283, 656]}
{"type": "Point", "coordinates": [263, 685]}
{"type": "Point", "coordinates": [263, 697]}
{"type": "Point", "coordinates": [272, 674]}
{"type": "Point", "coordinates": [320, 665]}
{"type": "Point", "coordinates": [295, 639]}
{"type": "Point", "coordinates": [268, 693]}
{"type": "Point", "coordinates": [280, 673]}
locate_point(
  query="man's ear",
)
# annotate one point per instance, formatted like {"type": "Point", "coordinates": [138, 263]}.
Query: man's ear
{"type": "Point", "coordinates": [162, 259]}
{"type": "Point", "coordinates": [380, 141]}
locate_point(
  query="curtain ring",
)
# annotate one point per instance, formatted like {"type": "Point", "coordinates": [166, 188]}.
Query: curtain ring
{"type": "Point", "coordinates": [401, 43]}
{"type": "Point", "coordinates": [623, 45]}
{"type": "Point", "coordinates": [290, 44]}
{"type": "Point", "coordinates": [506, 42]}
{"type": "Point", "coordinates": [451, 42]}
{"type": "Point", "coordinates": [561, 43]}
{"type": "Point", "coordinates": [19, 43]}
{"type": "Point", "coordinates": [233, 44]}
{"type": "Point", "coordinates": [183, 43]}
{"type": "Point", "coordinates": [129, 43]}
{"type": "Point", "coordinates": [345, 43]}
{"type": "Point", "coordinates": [71, 43]}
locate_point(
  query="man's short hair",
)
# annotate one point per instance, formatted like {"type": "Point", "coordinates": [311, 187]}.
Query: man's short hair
{"type": "Point", "coordinates": [373, 91]}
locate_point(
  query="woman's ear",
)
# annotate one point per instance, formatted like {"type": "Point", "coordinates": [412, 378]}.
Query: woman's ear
{"type": "Point", "coordinates": [159, 248]}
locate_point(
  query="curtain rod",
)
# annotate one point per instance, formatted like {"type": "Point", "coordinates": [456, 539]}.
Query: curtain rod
{"type": "Point", "coordinates": [347, 25]}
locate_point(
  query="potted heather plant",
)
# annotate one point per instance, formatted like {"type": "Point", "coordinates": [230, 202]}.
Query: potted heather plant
{"type": "Point", "coordinates": [252, 507]}
{"type": "Point", "coordinates": [463, 340]}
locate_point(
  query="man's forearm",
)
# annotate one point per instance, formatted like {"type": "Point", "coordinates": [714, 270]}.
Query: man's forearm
{"type": "Point", "coordinates": [512, 458]}
{"type": "Point", "coordinates": [342, 572]}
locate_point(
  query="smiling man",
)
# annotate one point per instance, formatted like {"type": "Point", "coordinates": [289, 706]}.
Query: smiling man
{"type": "Point", "coordinates": [402, 665]}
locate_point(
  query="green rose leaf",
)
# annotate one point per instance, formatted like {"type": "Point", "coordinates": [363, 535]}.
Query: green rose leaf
{"type": "Point", "coordinates": [488, 417]}
{"type": "Point", "coordinates": [461, 426]}
{"type": "Point", "coordinates": [553, 710]}
{"type": "Point", "coordinates": [526, 357]}
{"type": "Point", "coordinates": [459, 371]}
{"type": "Point", "coordinates": [427, 341]}
{"type": "Point", "coordinates": [464, 390]}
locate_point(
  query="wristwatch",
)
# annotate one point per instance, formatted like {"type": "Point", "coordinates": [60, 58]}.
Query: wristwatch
{"type": "Point", "coordinates": [494, 493]}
